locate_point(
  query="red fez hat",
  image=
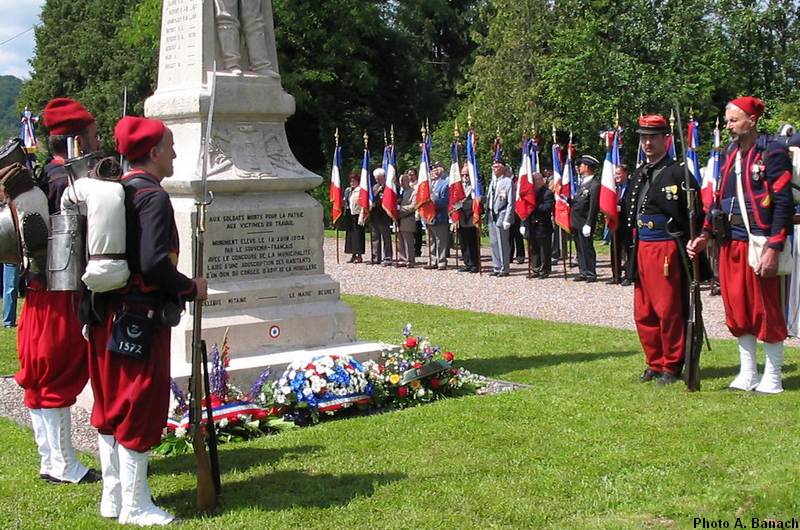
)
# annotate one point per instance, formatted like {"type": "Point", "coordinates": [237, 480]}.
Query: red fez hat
{"type": "Point", "coordinates": [750, 105]}
{"type": "Point", "coordinates": [135, 136]}
{"type": "Point", "coordinates": [652, 124]}
{"type": "Point", "coordinates": [65, 116]}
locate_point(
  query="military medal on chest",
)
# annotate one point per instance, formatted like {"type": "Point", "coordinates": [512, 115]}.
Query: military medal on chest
{"type": "Point", "coordinates": [757, 171]}
{"type": "Point", "coordinates": [670, 192]}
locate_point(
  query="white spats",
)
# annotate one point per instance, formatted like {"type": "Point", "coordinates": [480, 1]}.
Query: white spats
{"type": "Point", "coordinates": [111, 500]}
{"type": "Point", "coordinates": [137, 505]}
{"type": "Point", "coordinates": [40, 435]}
{"type": "Point", "coordinates": [64, 464]}
{"type": "Point", "coordinates": [748, 371]}
{"type": "Point", "coordinates": [771, 380]}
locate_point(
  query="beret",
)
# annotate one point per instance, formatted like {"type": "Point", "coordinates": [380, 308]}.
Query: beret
{"type": "Point", "coordinates": [64, 116]}
{"type": "Point", "coordinates": [135, 136]}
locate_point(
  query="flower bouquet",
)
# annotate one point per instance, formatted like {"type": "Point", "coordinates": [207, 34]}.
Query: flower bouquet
{"type": "Point", "coordinates": [236, 415]}
{"type": "Point", "coordinates": [419, 372]}
{"type": "Point", "coordinates": [325, 384]}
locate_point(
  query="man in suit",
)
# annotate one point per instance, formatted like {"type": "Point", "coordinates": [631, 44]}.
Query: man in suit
{"type": "Point", "coordinates": [621, 247]}
{"type": "Point", "coordinates": [539, 228]}
{"type": "Point", "coordinates": [380, 223]}
{"type": "Point", "coordinates": [500, 214]}
{"type": "Point", "coordinates": [585, 207]}
{"type": "Point", "coordinates": [467, 233]}
{"type": "Point", "coordinates": [439, 227]}
{"type": "Point", "coordinates": [407, 224]}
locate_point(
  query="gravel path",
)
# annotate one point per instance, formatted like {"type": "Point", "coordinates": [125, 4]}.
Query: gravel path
{"type": "Point", "coordinates": [84, 436]}
{"type": "Point", "coordinates": [552, 299]}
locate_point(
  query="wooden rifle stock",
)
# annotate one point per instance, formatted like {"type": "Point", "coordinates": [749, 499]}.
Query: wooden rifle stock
{"type": "Point", "coordinates": [208, 473]}
{"type": "Point", "coordinates": [695, 329]}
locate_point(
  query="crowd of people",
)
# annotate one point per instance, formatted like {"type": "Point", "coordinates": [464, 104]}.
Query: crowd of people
{"type": "Point", "coordinates": [512, 239]}
{"type": "Point", "coordinates": [651, 244]}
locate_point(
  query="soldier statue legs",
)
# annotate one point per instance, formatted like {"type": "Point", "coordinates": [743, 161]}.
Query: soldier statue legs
{"type": "Point", "coordinates": [234, 16]}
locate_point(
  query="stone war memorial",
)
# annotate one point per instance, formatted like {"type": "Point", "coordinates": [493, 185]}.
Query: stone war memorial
{"type": "Point", "coordinates": [263, 244]}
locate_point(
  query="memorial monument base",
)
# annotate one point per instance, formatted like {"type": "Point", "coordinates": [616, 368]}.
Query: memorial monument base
{"type": "Point", "coordinates": [243, 371]}
{"type": "Point", "coordinates": [263, 257]}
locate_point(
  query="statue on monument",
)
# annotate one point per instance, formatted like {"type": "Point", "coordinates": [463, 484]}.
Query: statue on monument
{"type": "Point", "coordinates": [237, 20]}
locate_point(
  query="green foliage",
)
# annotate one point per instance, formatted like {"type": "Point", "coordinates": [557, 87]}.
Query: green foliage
{"type": "Point", "coordinates": [574, 64]}
{"type": "Point", "coordinates": [9, 117]}
{"type": "Point", "coordinates": [387, 64]}
{"type": "Point", "coordinates": [80, 53]}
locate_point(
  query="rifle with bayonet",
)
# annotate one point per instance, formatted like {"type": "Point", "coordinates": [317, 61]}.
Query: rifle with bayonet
{"type": "Point", "coordinates": [208, 472]}
{"type": "Point", "coordinates": [695, 329]}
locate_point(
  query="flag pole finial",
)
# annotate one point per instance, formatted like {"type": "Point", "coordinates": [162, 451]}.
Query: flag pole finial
{"type": "Point", "coordinates": [391, 133]}
{"type": "Point", "coordinates": [497, 133]}
{"type": "Point", "coordinates": [336, 136]}
{"type": "Point", "coordinates": [716, 125]}
{"type": "Point", "coordinates": [385, 139]}
{"type": "Point", "coordinates": [533, 128]}
{"type": "Point", "coordinates": [554, 133]}
{"type": "Point", "coordinates": [456, 132]}
{"type": "Point", "coordinates": [422, 132]}
{"type": "Point", "coordinates": [616, 118]}
{"type": "Point", "coordinates": [469, 119]}
{"type": "Point", "coordinates": [672, 121]}
{"type": "Point", "coordinates": [366, 140]}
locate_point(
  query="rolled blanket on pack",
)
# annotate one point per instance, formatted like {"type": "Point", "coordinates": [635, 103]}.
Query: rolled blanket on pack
{"type": "Point", "coordinates": [103, 203]}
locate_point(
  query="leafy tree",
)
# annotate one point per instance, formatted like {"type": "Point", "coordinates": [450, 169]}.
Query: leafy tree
{"type": "Point", "coordinates": [9, 118]}
{"type": "Point", "coordinates": [78, 54]}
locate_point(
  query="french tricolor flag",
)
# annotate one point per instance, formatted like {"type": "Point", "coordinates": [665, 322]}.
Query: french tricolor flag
{"type": "Point", "coordinates": [456, 196]}
{"type": "Point", "coordinates": [474, 178]}
{"type": "Point", "coordinates": [526, 195]}
{"type": "Point", "coordinates": [426, 208]}
{"type": "Point", "coordinates": [561, 175]}
{"type": "Point", "coordinates": [711, 176]}
{"type": "Point", "coordinates": [693, 141]}
{"type": "Point", "coordinates": [365, 197]}
{"type": "Point", "coordinates": [335, 193]}
{"type": "Point", "coordinates": [608, 183]}
{"type": "Point", "coordinates": [389, 202]}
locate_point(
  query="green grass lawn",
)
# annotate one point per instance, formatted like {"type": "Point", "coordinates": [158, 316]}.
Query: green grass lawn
{"type": "Point", "coordinates": [587, 446]}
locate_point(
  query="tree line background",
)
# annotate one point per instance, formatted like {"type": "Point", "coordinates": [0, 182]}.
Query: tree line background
{"type": "Point", "coordinates": [366, 65]}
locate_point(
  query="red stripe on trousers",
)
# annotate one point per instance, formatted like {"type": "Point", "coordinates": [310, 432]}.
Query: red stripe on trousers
{"type": "Point", "coordinates": [131, 397]}
{"type": "Point", "coordinates": [52, 352]}
{"type": "Point", "coordinates": [658, 306]}
{"type": "Point", "coordinates": [752, 304]}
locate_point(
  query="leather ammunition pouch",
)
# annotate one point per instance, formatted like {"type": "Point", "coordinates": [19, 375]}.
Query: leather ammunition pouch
{"type": "Point", "coordinates": [720, 225]}
{"type": "Point", "coordinates": [132, 331]}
